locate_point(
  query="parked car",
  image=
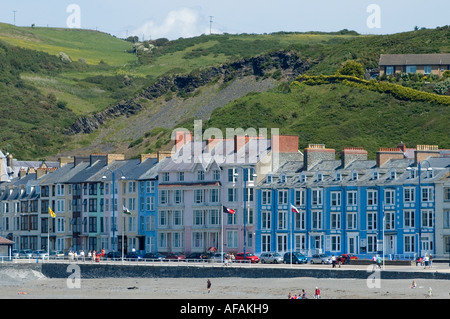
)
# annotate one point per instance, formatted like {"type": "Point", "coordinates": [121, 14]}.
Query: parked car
{"type": "Point", "coordinates": [26, 253]}
{"type": "Point", "coordinates": [56, 254]}
{"type": "Point", "coordinates": [15, 253]}
{"type": "Point", "coordinates": [114, 255]}
{"type": "Point", "coordinates": [320, 259]}
{"type": "Point", "coordinates": [271, 258]}
{"type": "Point", "coordinates": [172, 256]}
{"type": "Point", "coordinates": [133, 255]}
{"type": "Point", "coordinates": [40, 254]}
{"type": "Point", "coordinates": [217, 257]}
{"type": "Point", "coordinates": [153, 256]}
{"type": "Point", "coordinates": [248, 256]}
{"type": "Point", "coordinates": [198, 256]}
{"type": "Point", "coordinates": [345, 258]}
{"type": "Point", "coordinates": [297, 258]}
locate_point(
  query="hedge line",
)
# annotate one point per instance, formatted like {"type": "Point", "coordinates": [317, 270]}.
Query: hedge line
{"type": "Point", "coordinates": [398, 91]}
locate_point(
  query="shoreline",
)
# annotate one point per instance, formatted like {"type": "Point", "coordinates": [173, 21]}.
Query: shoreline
{"type": "Point", "coordinates": [223, 288]}
{"type": "Point", "coordinates": [103, 281]}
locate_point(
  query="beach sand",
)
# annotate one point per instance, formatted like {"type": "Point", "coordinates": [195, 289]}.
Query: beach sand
{"type": "Point", "coordinates": [222, 288]}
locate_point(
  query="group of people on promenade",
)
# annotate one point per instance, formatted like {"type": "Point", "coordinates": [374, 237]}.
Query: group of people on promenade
{"type": "Point", "coordinates": [376, 261]}
{"type": "Point", "coordinates": [425, 261]}
{"type": "Point", "coordinates": [91, 255]}
{"type": "Point", "coordinates": [302, 295]}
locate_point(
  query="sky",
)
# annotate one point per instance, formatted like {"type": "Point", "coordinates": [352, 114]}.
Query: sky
{"type": "Point", "coordinates": [176, 18]}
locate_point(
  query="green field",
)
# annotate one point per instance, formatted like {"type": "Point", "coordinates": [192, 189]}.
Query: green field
{"type": "Point", "coordinates": [93, 46]}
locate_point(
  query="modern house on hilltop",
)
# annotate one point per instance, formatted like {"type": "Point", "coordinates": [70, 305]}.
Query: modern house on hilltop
{"type": "Point", "coordinates": [414, 63]}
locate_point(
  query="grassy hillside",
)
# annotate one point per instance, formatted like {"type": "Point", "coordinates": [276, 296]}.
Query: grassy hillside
{"type": "Point", "coordinates": [339, 116]}
{"type": "Point", "coordinates": [41, 95]}
{"type": "Point", "coordinates": [90, 45]}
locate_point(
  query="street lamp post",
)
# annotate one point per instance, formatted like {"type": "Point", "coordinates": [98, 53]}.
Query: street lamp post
{"type": "Point", "coordinates": [419, 201]}
{"type": "Point", "coordinates": [113, 178]}
{"type": "Point", "coordinates": [245, 176]}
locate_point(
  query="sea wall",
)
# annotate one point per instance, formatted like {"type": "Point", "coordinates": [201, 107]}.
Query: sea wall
{"type": "Point", "coordinates": [29, 271]}
{"type": "Point", "coordinates": [89, 270]}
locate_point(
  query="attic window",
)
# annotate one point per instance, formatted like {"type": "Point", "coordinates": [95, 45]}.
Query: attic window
{"type": "Point", "coordinates": [282, 178]}
{"type": "Point", "coordinates": [375, 175]}
{"type": "Point", "coordinates": [319, 176]}
{"type": "Point", "coordinates": [354, 176]}
{"type": "Point", "coordinates": [393, 174]}
{"type": "Point", "coordinates": [338, 176]}
{"type": "Point", "coordinates": [269, 179]}
{"type": "Point", "coordinates": [430, 173]}
{"type": "Point", "coordinates": [302, 178]}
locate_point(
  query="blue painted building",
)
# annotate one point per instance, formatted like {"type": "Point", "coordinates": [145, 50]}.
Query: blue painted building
{"type": "Point", "coordinates": [148, 206]}
{"type": "Point", "coordinates": [352, 205]}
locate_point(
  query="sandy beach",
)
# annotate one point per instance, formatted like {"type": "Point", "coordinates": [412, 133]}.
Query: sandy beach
{"type": "Point", "coordinates": [222, 288]}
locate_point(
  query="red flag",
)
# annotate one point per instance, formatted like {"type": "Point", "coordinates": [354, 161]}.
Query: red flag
{"type": "Point", "coordinates": [294, 209]}
{"type": "Point", "coordinates": [228, 210]}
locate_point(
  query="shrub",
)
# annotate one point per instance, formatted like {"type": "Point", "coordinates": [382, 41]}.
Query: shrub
{"type": "Point", "coordinates": [396, 90]}
{"type": "Point", "coordinates": [352, 68]}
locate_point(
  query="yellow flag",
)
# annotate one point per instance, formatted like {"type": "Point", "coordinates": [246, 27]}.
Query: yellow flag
{"type": "Point", "coordinates": [52, 213]}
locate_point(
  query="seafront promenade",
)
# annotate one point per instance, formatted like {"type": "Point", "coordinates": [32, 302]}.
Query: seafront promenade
{"type": "Point", "coordinates": [27, 279]}
{"type": "Point", "coordinates": [201, 269]}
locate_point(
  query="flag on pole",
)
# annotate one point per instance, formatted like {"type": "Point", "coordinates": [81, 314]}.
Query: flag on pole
{"type": "Point", "coordinates": [51, 212]}
{"type": "Point", "coordinates": [294, 209]}
{"type": "Point", "coordinates": [228, 210]}
{"type": "Point", "coordinates": [126, 211]}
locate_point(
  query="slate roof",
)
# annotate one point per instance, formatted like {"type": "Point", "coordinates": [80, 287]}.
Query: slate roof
{"type": "Point", "coordinates": [365, 169]}
{"type": "Point", "coordinates": [131, 169]}
{"type": "Point", "coordinates": [415, 59]}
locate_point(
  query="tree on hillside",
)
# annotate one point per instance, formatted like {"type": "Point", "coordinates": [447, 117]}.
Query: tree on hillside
{"type": "Point", "coordinates": [352, 68]}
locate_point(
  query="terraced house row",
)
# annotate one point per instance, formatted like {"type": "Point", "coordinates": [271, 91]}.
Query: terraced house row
{"type": "Point", "coordinates": [282, 199]}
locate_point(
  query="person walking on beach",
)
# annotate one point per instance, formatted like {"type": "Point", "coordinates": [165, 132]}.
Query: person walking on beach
{"type": "Point", "coordinates": [317, 293]}
{"type": "Point", "coordinates": [208, 285]}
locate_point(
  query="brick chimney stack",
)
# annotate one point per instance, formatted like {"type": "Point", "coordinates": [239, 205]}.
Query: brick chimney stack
{"type": "Point", "coordinates": [387, 153]}
{"type": "Point", "coordinates": [423, 152]}
{"type": "Point", "coordinates": [315, 153]}
{"type": "Point", "coordinates": [350, 154]}
{"type": "Point", "coordinates": [182, 138]}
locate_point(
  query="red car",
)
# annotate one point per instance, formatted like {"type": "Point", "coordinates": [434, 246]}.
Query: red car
{"type": "Point", "coordinates": [248, 256]}
{"type": "Point", "coordinates": [344, 258]}
{"type": "Point", "coordinates": [172, 256]}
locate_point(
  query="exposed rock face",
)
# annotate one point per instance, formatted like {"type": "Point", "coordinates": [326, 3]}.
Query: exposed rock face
{"type": "Point", "coordinates": [288, 63]}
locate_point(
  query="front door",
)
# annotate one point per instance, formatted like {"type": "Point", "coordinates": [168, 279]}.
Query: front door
{"type": "Point", "coordinates": [390, 244]}
{"type": "Point", "coordinates": [316, 244]}
{"type": "Point", "coordinates": [282, 243]}
{"type": "Point", "coordinates": [427, 246]}
{"type": "Point", "coordinates": [352, 247]}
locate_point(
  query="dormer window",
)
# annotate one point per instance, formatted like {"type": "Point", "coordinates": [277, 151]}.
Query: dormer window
{"type": "Point", "coordinates": [319, 176]}
{"type": "Point", "coordinates": [282, 178]}
{"type": "Point", "coordinates": [338, 176]}
{"type": "Point", "coordinates": [354, 176]}
{"type": "Point", "coordinates": [430, 173]}
{"type": "Point", "coordinates": [375, 175]}
{"type": "Point", "coordinates": [302, 178]}
{"type": "Point", "coordinates": [269, 178]}
{"type": "Point", "coordinates": [392, 174]}
{"type": "Point", "coordinates": [412, 173]}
